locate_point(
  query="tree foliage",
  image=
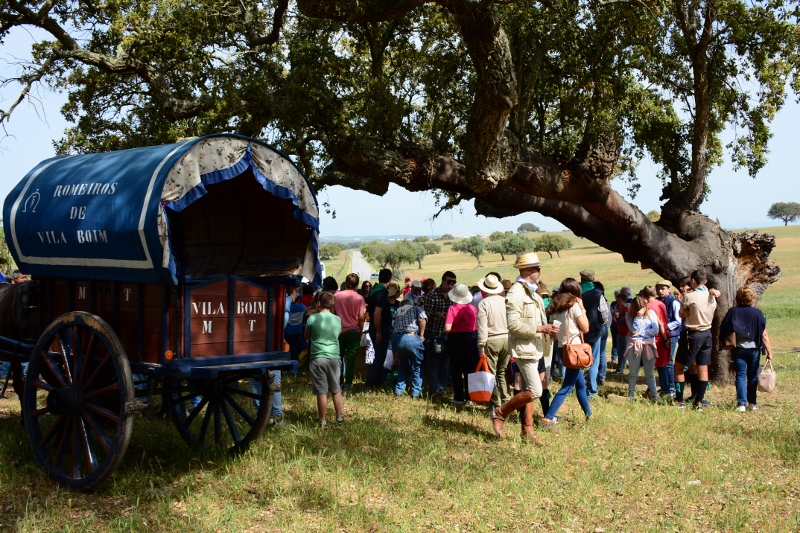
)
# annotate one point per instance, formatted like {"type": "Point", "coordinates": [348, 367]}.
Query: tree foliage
{"type": "Point", "coordinates": [527, 227]}
{"type": "Point", "coordinates": [553, 243]}
{"type": "Point", "coordinates": [786, 211]}
{"type": "Point", "coordinates": [329, 251]}
{"type": "Point", "coordinates": [424, 249]}
{"type": "Point", "coordinates": [513, 245]}
{"type": "Point", "coordinates": [473, 246]}
{"type": "Point", "coordinates": [446, 237]}
{"type": "Point", "coordinates": [499, 235]}
{"type": "Point", "coordinates": [390, 255]}
{"type": "Point", "coordinates": [421, 238]}
{"type": "Point", "coordinates": [653, 215]}
{"type": "Point", "coordinates": [522, 106]}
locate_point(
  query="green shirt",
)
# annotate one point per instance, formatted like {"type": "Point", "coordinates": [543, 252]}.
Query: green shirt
{"type": "Point", "coordinates": [325, 329]}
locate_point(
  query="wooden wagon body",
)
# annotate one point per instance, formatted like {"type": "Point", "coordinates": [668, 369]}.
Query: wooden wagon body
{"type": "Point", "coordinates": [158, 271]}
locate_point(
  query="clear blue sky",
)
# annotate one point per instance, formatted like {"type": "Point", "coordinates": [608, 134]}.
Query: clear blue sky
{"type": "Point", "coordinates": [736, 200]}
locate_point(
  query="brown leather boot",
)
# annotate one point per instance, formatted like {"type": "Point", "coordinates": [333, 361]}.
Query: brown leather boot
{"type": "Point", "coordinates": [528, 426]}
{"type": "Point", "coordinates": [500, 414]}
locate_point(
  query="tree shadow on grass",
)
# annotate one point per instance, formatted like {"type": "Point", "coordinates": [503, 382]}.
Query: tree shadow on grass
{"type": "Point", "coordinates": [465, 427]}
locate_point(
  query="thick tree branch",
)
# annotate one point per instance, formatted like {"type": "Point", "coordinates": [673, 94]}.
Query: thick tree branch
{"type": "Point", "coordinates": [496, 90]}
{"type": "Point", "coordinates": [277, 23]}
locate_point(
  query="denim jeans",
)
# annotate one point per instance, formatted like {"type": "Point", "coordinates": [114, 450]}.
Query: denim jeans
{"type": "Point", "coordinates": [277, 403]}
{"type": "Point", "coordinates": [622, 343]}
{"type": "Point", "coordinates": [377, 374]}
{"type": "Point", "coordinates": [437, 368]}
{"type": "Point", "coordinates": [557, 363]}
{"type": "Point", "coordinates": [5, 368]}
{"type": "Point", "coordinates": [601, 369]}
{"type": "Point", "coordinates": [666, 374]}
{"type": "Point", "coordinates": [573, 379]}
{"type": "Point", "coordinates": [613, 333]}
{"type": "Point", "coordinates": [408, 350]}
{"type": "Point", "coordinates": [591, 386]}
{"type": "Point", "coordinates": [649, 371]}
{"type": "Point", "coordinates": [747, 362]}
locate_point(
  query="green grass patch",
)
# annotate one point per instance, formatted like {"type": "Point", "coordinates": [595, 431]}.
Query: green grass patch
{"type": "Point", "coordinates": [399, 464]}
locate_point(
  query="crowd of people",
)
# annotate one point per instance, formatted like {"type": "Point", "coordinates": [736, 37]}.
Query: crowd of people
{"type": "Point", "coordinates": [438, 333]}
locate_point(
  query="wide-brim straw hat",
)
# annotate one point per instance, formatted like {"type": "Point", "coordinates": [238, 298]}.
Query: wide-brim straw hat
{"type": "Point", "coordinates": [507, 283]}
{"type": "Point", "coordinates": [491, 285]}
{"type": "Point", "coordinates": [394, 290]}
{"type": "Point", "coordinates": [527, 260]}
{"type": "Point", "coordinates": [460, 294]}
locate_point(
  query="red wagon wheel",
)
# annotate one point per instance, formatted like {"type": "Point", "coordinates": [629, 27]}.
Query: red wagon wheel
{"type": "Point", "coordinates": [74, 405]}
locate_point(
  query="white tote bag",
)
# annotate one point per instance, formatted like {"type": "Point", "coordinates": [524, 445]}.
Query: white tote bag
{"type": "Point", "coordinates": [767, 378]}
{"type": "Point", "coordinates": [481, 382]}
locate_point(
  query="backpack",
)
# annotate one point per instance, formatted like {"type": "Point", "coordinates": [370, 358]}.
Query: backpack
{"type": "Point", "coordinates": [602, 308]}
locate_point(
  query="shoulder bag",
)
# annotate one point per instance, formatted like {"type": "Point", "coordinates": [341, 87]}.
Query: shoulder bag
{"type": "Point", "coordinates": [577, 355]}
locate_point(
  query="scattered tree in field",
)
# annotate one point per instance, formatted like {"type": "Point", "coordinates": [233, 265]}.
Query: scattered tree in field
{"type": "Point", "coordinates": [446, 237]}
{"type": "Point", "coordinates": [421, 238]}
{"type": "Point", "coordinates": [513, 245]}
{"type": "Point", "coordinates": [7, 264]}
{"type": "Point", "coordinates": [473, 246]}
{"type": "Point", "coordinates": [424, 249]}
{"type": "Point", "coordinates": [553, 243]}
{"type": "Point", "coordinates": [522, 106]}
{"type": "Point", "coordinates": [653, 215]}
{"type": "Point", "coordinates": [328, 252]}
{"type": "Point", "coordinates": [499, 235]}
{"type": "Point", "coordinates": [786, 211]}
{"type": "Point", "coordinates": [391, 255]}
{"type": "Point", "coordinates": [527, 226]}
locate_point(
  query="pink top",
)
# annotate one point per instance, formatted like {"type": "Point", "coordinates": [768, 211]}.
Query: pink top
{"type": "Point", "coordinates": [463, 317]}
{"type": "Point", "coordinates": [348, 305]}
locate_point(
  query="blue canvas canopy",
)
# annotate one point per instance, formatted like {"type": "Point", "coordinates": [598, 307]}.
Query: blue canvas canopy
{"type": "Point", "coordinates": [212, 206]}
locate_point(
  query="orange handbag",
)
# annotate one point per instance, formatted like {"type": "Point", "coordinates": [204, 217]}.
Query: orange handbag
{"type": "Point", "coordinates": [577, 355]}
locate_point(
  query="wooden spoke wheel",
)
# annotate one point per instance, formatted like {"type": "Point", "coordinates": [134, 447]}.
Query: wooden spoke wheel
{"type": "Point", "coordinates": [74, 403]}
{"type": "Point", "coordinates": [220, 412]}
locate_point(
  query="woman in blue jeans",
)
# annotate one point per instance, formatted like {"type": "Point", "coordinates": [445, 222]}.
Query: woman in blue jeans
{"type": "Point", "coordinates": [567, 309]}
{"type": "Point", "coordinates": [749, 325]}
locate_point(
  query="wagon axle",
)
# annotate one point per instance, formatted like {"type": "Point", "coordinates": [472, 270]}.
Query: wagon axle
{"type": "Point", "coordinates": [67, 401]}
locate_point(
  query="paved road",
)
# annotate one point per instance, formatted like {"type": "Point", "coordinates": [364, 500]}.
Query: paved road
{"type": "Point", "coordinates": [360, 267]}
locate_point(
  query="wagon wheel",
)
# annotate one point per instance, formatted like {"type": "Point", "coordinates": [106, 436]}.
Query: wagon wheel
{"type": "Point", "coordinates": [78, 383]}
{"type": "Point", "coordinates": [219, 412]}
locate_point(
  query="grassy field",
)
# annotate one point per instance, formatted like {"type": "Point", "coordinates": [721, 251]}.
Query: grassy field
{"type": "Point", "coordinates": [399, 464]}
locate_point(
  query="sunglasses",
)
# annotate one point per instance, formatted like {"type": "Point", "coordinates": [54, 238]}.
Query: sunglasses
{"type": "Point", "coordinates": [450, 282]}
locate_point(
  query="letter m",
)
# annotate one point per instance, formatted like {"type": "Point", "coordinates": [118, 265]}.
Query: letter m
{"type": "Point", "coordinates": [206, 326]}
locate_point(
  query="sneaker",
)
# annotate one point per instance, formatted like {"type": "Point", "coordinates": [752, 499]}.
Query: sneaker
{"type": "Point", "coordinates": [276, 421]}
{"type": "Point", "coordinates": [741, 408]}
{"type": "Point", "coordinates": [457, 403]}
{"type": "Point", "coordinates": [618, 373]}
{"type": "Point", "coordinates": [698, 407]}
{"type": "Point", "coordinates": [322, 423]}
{"type": "Point", "coordinates": [548, 425]}
{"type": "Point", "coordinates": [340, 420]}
{"type": "Point", "coordinates": [680, 405]}
{"type": "Point", "coordinates": [705, 403]}
{"type": "Point", "coordinates": [753, 407]}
